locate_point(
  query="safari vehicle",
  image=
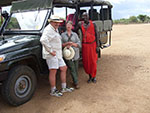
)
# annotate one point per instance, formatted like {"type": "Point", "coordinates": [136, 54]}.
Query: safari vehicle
{"type": "Point", "coordinates": [20, 50]}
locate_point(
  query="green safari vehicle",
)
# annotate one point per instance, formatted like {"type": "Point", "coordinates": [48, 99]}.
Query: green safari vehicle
{"type": "Point", "coordinates": [20, 50]}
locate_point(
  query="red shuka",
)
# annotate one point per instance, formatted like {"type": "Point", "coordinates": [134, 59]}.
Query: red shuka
{"type": "Point", "coordinates": [89, 55]}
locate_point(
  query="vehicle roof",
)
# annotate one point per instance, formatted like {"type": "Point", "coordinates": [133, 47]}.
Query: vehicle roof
{"type": "Point", "coordinates": [46, 4]}
{"type": "Point", "coordinates": [84, 2]}
{"type": "Point", "coordinates": [6, 2]}
{"type": "Point", "coordinates": [98, 2]}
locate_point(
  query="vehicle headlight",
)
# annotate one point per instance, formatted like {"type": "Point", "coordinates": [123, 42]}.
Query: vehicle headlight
{"type": "Point", "coordinates": [2, 57]}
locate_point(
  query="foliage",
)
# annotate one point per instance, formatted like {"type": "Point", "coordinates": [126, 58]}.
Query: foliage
{"type": "Point", "coordinates": [142, 18]}
{"type": "Point", "coordinates": [1, 20]}
{"type": "Point", "coordinates": [121, 21]}
{"type": "Point", "coordinates": [133, 19]}
{"type": "Point", "coordinates": [13, 24]}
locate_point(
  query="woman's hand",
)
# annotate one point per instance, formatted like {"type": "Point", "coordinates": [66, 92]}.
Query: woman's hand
{"type": "Point", "coordinates": [74, 44]}
{"type": "Point", "coordinates": [69, 43]}
{"type": "Point", "coordinates": [68, 46]}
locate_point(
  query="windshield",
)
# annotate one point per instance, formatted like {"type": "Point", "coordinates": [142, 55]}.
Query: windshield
{"type": "Point", "coordinates": [32, 20]}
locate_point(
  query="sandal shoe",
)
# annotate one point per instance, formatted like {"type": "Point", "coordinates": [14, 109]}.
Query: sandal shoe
{"type": "Point", "coordinates": [94, 80]}
{"type": "Point", "coordinates": [90, 79]}
{"type": "Point", "coordinates": [76, 86]}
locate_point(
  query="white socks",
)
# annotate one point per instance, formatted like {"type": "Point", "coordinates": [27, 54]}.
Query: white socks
{"type": "Point", "coordinates": [53, 89]}
{"type": "Point", "coordinates": [63, 85]}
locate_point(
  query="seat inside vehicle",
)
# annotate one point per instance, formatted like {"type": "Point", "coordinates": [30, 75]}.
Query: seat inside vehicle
{"type": "Point", "coordinates": [93, 15]}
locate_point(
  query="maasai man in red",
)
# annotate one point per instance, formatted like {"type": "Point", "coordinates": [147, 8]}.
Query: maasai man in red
{"type": "Point", "coordinates": [89, 54]}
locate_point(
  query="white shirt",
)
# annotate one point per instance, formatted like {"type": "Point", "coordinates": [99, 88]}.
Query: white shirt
{"type": "Point", "coordinates": [52, 40]}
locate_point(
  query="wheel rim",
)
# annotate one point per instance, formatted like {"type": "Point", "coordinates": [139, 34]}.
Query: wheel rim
{"type": "Point", "coordinates": [23, 86]}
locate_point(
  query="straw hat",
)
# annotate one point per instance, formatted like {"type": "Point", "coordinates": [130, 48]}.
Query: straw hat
{"type": "Point", "coordinates": [68, 53]}
{"type": "Point", "coordinates": [55, 18]}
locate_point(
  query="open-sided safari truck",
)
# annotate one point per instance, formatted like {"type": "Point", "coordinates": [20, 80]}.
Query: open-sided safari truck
{"type": "Point", "coordinates": [20, 49]}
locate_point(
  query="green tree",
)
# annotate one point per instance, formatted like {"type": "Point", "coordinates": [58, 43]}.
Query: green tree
{"type": "Point", "coordinates": [1, 20]}
{"type": "Point", "coordinates": [121, 21]}
{"type": "Point", "coordinates": [13, 24]}
{"type": "Point", "coordinates": [147, 19]}
{"type": "Point", "coordinates": [133, 19]}
{"type": "Point", "coordinates": [142, 18]}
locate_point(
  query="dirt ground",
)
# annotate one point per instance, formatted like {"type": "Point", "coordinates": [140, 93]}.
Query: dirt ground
{"type": "Point", "coordinates": [123, 80]}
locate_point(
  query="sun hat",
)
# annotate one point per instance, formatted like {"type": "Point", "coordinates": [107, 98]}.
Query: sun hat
{"type": "Point", "coordinates": [68, 53]}
{"type": "Point", "coordinates": [55, 18]}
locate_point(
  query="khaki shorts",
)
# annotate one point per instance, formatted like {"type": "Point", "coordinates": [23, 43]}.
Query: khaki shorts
{"type": "Point", "coordinates": [55, 63]}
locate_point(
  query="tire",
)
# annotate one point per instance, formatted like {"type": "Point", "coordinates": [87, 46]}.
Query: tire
{"type": "Point", "coordinates": [20, 85]}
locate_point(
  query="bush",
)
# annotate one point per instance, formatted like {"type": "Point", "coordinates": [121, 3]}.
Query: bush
{"type": "Point", "coordinates": [1, 20]}
{"type": "Point", "coordinates": [133, 19]}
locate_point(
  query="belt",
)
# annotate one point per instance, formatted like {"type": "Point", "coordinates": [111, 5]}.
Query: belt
{"type": "Point", "coordinates": [88, 42]}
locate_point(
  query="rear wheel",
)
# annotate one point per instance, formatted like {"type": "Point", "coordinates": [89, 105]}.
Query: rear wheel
{"type": "Point", "coordinates": [20, 85]}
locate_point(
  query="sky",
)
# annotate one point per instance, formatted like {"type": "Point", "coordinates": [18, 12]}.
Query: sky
{"type": "Point", "coordinates": [127, 8]}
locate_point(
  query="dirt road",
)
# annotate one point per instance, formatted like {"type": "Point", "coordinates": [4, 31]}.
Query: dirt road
{"type": "Point", "coordinates": [123, 80]}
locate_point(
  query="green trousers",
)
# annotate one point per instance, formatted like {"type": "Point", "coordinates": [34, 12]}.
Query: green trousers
{"type": "Point", "coordinates": [73, 67]}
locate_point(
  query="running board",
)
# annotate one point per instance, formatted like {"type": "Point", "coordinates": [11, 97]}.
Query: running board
{"type": "Point", "coordinates": [109, 43]}
{"type": "Point", "coordinates": [105, 46]}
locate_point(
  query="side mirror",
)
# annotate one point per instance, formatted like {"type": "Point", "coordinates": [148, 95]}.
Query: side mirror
{"type": "Point", "coordinates": [5, 14]}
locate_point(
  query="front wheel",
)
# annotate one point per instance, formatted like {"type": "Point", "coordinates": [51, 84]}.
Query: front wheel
{"type": "Point", "coordinates": [20, 85]}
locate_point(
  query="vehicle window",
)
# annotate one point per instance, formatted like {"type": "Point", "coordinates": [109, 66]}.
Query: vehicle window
{"type": "Point", "coordinates": [1, 20]}
{"type": "Point", "coordinates": [67, 14]}
{"type": "Point", "coordinates": [2, 9]}
{"type": "Point", "coordinates": [95, 14]}
{"type": "Point", "coordinates": [82, 10]}
{"type": "Point", "coordinates": [27, 20]}
{"type": "Point", "coordinates": [105, 13]}
{"type": "Point", "coordinates": [61, 12]}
